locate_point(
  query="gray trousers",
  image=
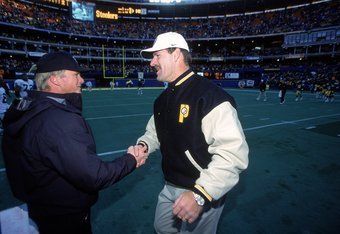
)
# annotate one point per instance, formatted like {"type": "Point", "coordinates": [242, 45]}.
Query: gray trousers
{"type": "Point", "coordinates": [166, 223]}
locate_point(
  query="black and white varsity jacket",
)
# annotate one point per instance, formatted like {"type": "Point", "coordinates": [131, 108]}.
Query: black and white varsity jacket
{"type": "Point", "coordinates": [196, 127]}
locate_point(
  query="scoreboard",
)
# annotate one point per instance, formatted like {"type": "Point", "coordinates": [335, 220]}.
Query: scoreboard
{"type": "Point", "coordinates": [115, 11]}
{"type": "Point", "coordinates": [112, 11]}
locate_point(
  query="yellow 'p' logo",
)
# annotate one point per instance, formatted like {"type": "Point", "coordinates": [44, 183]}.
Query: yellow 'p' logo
{"type": "Point", "coordinates": [183, 112]}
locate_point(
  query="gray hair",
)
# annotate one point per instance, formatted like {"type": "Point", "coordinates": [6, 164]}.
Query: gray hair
{"type": "Point", "coordinates": [42, 78]}
{"type": "Point", "coordinates": [186, 55]}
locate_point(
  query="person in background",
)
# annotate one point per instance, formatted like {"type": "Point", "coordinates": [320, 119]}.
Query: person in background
{"type": "Point", "coordinates": [50, 153]}
{"type": "Point", "coordinates": [89, 85]}
{"type": "Point", "coordinates": [3, 82]}
{"type": "Point", "coordinates": [140, 85]}
{"type": "Point", "coordinates": [282, 90]}
{"type": "Point", "coordinates": [112, 84]}
{"type": "Point", "coordinates": [3, 106]}
{"type": "Point", "coordinates": [329, 94]}
{"type": "Point", "coordinates": [3, 102]}
{"type": "Point", "coordinates": [21, 86]}
{"type": "Point", "coordinates": [299, 88]}
{"type": "Point", "coordinates": [262, 91]}
{"type": "Point", "coordinates": [129, 83]}
{"type": "Point", "coordinates": [196, 127]}
{"type": "Point", "coordinates": [4, 94]}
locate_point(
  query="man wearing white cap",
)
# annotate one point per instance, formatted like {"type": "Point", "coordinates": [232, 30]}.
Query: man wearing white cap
{"type": "Point", "coordinates": [195, 125]}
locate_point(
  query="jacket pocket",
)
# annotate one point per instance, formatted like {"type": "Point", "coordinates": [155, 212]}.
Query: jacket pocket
{"type": "Point", "coordinates": [192, 160]}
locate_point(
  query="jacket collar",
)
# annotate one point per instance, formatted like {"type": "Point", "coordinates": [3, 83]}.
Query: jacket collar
{"type": "Point", "coordinates": [182, 78]}
{"type": "Point", "coordinates": [73, 99]}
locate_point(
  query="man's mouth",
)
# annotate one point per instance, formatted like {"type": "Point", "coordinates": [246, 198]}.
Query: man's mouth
{"type": "Point", "coordinates": [155, 69]}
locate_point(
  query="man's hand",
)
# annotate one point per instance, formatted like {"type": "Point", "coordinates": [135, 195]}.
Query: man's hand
{"type": "Point", "coordinates": [186, 207]}
{"type": "Point", "coordinates": [139, 152]}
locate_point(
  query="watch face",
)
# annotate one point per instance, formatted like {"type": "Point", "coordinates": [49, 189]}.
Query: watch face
{"type": "Point", "coordinates": [199, 199]}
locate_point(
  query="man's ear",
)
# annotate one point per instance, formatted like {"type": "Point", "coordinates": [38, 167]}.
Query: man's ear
{"type": "Point", "coordinates": [54, 81]}
{"type": "Point", "coordinates": [177, 54]}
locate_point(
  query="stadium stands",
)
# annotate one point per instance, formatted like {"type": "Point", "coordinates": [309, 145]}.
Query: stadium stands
{"type": "Point", "coordinates": [300, 39]}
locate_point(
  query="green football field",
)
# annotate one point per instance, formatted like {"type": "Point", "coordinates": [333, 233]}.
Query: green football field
{"type": "Point", "coordinates": [292, 184]}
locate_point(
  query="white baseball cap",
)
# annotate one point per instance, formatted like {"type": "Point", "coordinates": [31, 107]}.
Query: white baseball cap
{"type": "Point", "coordinates": [164, 41]}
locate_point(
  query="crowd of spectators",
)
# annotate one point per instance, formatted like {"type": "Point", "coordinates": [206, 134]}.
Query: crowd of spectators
{"type": "Point", "coordinates": [22, 14]}
{"type": "Point", "coordinates": [288, 20]}
{"type": "Point", "coordinates": [307, 77]}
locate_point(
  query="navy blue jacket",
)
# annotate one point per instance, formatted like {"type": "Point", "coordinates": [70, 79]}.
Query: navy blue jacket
{"type": "Point", "coordinates": [50, 155]}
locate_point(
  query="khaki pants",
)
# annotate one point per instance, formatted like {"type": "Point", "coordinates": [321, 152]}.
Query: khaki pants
{"type": "Point", "coordinates": [166, 223]}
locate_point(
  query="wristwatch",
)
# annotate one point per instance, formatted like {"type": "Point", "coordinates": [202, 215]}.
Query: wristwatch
{"type": "Point", "coordinates": [199, 200]}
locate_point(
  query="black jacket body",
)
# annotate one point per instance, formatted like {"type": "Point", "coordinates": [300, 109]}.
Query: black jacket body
{"type": "Point", "coordinates": [50, 155]}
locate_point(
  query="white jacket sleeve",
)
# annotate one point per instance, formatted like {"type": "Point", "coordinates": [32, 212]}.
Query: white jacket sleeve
{"type": "Point", "coordinates": [224, 134]}
{"type": "Point", "coordinates": [150, 136]}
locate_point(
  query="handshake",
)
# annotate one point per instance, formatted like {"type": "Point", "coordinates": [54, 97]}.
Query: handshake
{"type": "Point", "coordinates": [140, 152]}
